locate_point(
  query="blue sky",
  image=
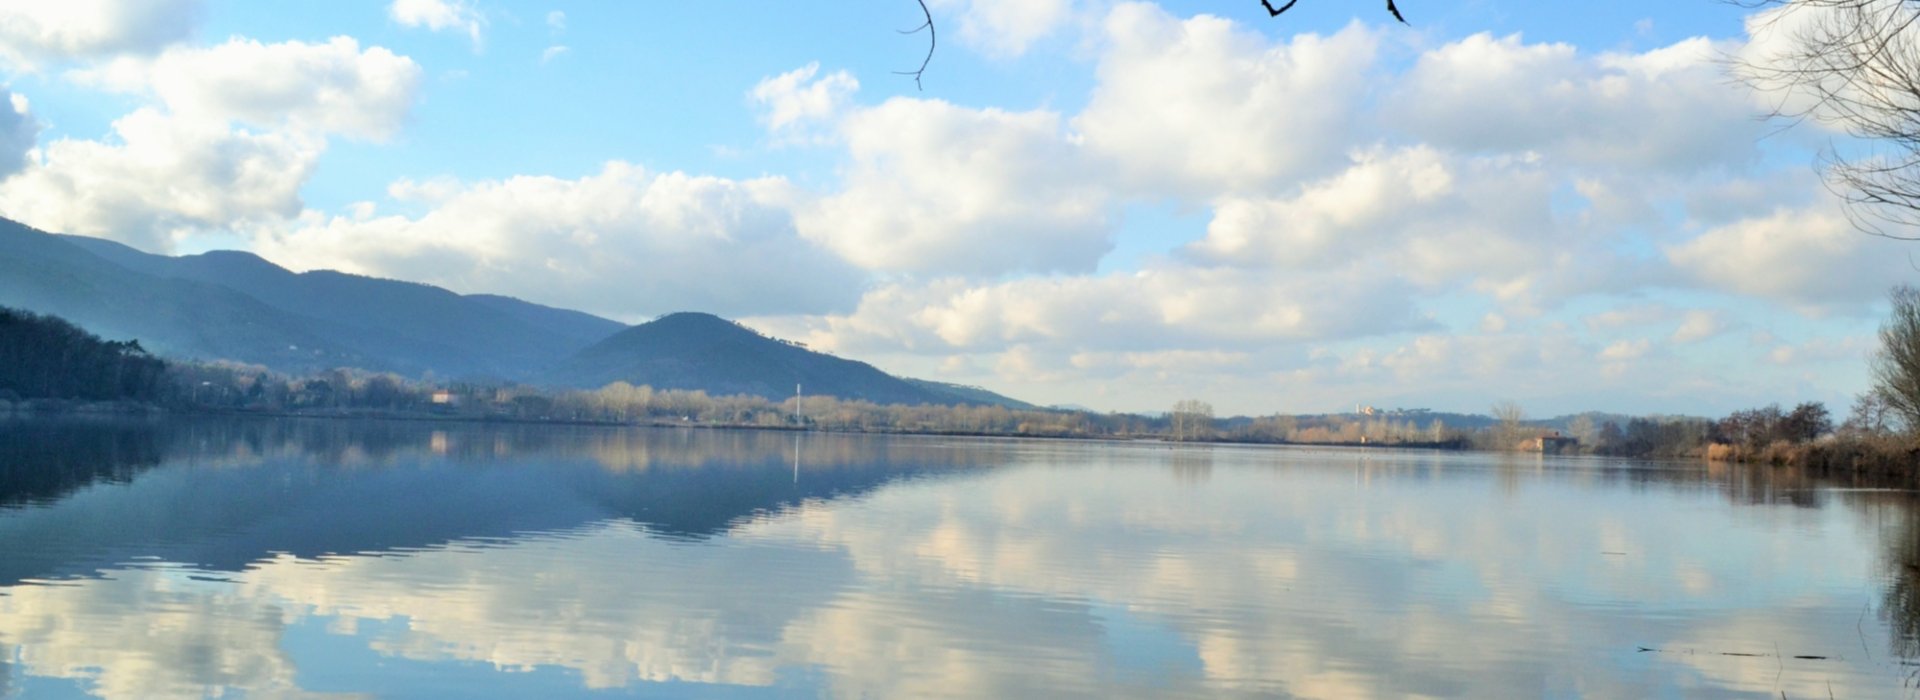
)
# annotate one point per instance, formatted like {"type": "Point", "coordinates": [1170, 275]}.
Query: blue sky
{"type": "Point", "coordinates": [1109, 204]}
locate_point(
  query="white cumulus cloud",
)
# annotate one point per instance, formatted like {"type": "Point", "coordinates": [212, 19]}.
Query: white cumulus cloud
{"type": "Point", "coordinates": [1204, 107]}
{"type": "Point", "coordinates": [235, 132]}
{"type": "Point", "coordinates": [161, 178]}
{"type": "Point", "coordinates": [1699, 325]}
{"type": "Point", "coordinates": [795, 101]}
{"type": "Point", "coordinates": [1626, 350]}
{"type": "Point", "coordinates": [1006, 28]}
{"type": "Point", "coordinates": [19, 131]}
{"type": "Point", "coordinates": [1807, 258]}
{"type": "Point", "coordinates": [1670, 109]}
{"type": "Point", "coordinates": [36, 32]}
{"type": "Point", "coordinates": [440, 15]}
{"type": "Point", "coordinates": [331, 87]}
{"type": "Point", "coordinates": [1436, 221]}
{"type": "Point", "coordinates": [1174, 307]}
{"type": "Point", "coordinates": [938, 188]}
{"type": "Point", "coordinates": [625, 242]}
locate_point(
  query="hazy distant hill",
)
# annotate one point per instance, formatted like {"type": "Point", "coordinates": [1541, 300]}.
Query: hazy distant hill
{"type": "Point", "coordinates": [231, 305]}
{"type": "Point", "coordinates": [970, 394]}
{"type": "Point", "coordinates": [407, 326]}
{"type": "Point", "coordinates": [702, 351]}
{"type": "Point", "coordinates": [46, 274]}
{"type": "Point", "coordinates": [417, 308]}
{"type": "Point", "coordinates": [238, 306]}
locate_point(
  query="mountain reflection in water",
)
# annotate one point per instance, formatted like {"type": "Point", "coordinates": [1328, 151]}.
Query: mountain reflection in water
{"type": "Point", "coordinates": [406, 559]}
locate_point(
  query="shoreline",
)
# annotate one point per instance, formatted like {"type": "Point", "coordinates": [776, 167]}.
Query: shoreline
{"type": "Point", "coordinates": [1870, 461]}
{"type": "Point", "coordinates": [55, 408]}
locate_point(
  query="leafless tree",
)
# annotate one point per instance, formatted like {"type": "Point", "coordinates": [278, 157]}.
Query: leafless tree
{"type": "Point", "coordinates": [1853, 65]}
{"type": "Point", "coordinates": [1507, 433]}
{"type": "Point", "coordinates": [1896, 367]}
{"type": "Point", "coordinates": [1191, 419]}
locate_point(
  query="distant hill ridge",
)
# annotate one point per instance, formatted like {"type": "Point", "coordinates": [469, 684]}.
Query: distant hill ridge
{"type": "Point", "coordinates": [703, 351]}
{"type": "Point", "coordinates": [397, 326]}
{"type": "Point", "coordinates": [238, 306]}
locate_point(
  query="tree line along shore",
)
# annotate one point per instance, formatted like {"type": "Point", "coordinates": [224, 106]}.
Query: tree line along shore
{"type": "Point", "coordinates": [50, 365]}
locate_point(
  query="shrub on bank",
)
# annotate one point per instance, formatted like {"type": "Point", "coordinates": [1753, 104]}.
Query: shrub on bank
{"type": "Point", "coordinates": [1882, 459]}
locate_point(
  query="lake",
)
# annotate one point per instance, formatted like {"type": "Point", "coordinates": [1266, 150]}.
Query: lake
{"type": "Point", "coordinates": [412, 559]}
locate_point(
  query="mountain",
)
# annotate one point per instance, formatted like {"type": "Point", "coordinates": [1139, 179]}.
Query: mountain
{"type": "Point", "coordinates": [45, 274]}
{"type": "Point", "coordinates": [703, 351]}
{"type": "Point", "coordinates": [234, 305]}
{"type": "Point", "coordinates": [238, 306]}
{"type": "Point", "coordinates": [971, 394]}
{"type": "Point", "coordinates": [42, 357]}
{"type": "Point", "coordinates": [414, 327]}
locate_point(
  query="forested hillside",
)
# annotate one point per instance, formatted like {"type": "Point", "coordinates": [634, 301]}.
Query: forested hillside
{"type": "Point", "coordinates": [695, 351]}
{"type": "Point", "coordinates": [42, 357]}
{"type": "Point", "coordinates": [235, 306]}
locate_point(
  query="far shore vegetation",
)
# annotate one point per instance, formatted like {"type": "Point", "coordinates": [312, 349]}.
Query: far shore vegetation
{"type": "Point", "coordinates": [49, 365]}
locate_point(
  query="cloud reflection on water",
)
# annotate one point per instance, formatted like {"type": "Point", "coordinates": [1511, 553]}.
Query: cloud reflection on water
{"type": "Point", "coordinates": [1066, 567]}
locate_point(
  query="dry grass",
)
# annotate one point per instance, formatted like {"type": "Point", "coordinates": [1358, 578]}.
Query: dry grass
{"type": "Point", "coordinates": [1874, 459]}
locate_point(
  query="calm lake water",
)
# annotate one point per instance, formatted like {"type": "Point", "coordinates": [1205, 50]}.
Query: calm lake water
{"type": "Point", "coordinates": [277, 558]}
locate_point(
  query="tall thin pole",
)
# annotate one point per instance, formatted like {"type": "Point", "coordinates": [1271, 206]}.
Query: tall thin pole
{"type": "Point", "coordinates": [796, 404]}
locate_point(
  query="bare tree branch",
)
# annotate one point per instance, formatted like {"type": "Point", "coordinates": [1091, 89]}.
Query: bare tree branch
{"type": "Point", "coordinates": [1276, 13]}
{"type": "Point", "coordinates": [933, 35]}
{"type": "Point", "coordinates": [1853, 65]}
{"type": "Point", "coordinates": [1271, 12]}
{"type": "Point", "coordinates": [933, 40]}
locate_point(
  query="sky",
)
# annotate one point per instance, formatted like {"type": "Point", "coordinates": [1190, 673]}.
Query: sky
{"type": "Point", "coordinates": [1112, 205]}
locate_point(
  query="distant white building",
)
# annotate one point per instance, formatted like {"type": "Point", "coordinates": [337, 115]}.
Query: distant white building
{"type": "Point", "coordinates": [1552, 442]}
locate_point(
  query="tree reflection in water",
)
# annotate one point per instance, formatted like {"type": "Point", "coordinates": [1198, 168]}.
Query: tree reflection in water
{"type": "Point", "coordinates": [717, 557]}
{"type": "Point", "coordinates": [1893, 515]}
{"type": "Point", "coordinates": [42, 461]}
{"type": "Point", "coordinates": [1897, 517]}
{"type": "Point", "coordinates": [234, 492]}
{"type": "Point", "coordinates": [1192, 464]}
